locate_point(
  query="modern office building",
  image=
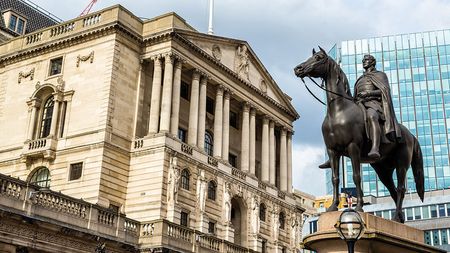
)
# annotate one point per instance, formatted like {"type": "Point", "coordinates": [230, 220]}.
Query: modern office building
{"type": "Point", "coordinates": [124, 135]}
{"type": "Point", "coordinates": [417, 66]}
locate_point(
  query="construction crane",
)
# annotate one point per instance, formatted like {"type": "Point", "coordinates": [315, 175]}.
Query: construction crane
{"type": "Point", "coordinates": [88, 8]}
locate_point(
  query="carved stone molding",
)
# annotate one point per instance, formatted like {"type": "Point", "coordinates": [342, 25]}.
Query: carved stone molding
{"type": "Point", "coordinates": [22, 74]}
{"type": "Point", "coordinates": [84, 58]}
{"type": "Point", "coordinates": [216, 52]}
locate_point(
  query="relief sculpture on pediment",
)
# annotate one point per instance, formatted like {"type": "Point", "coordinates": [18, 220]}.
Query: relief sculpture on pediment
{"type": "Point", "coordinates": [241, 64]}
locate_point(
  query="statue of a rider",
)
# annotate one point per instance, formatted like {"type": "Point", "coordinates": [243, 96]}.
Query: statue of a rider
{"type": "Point", "coordinates": [372, 93]}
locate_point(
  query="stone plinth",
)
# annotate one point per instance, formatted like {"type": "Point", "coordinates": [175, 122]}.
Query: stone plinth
{"type": "Point", "coordinates": [381, 236]}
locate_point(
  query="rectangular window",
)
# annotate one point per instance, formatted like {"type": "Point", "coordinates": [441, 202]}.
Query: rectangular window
{"type": "Point", "coordinates": [425, 212]}
{"type": "Point", "coordinates": [433, 211]}
{"type": "Point", "coordinates": [12, 22]}
{"type": "Point", "coordinates": [417, 214]}
{"type": "Point", "coordinates": [441, 208]}
{"type": "Point", "coordinates": [444, 237]}
{"type": "Point", "coordinates": [232, 159]}
{"type": "Point", "coordinates": [409, 214]}
{"type": "Point", "coordinates": [211, 227]}
{"type": "Point", "coordinates": [427, 236]}
{"type": "Point", "coordinates": [184, 219]}
{"type": "Point", "coordinates": [184, 90]}
{"type": "Point", "coordinates": [209, 105]}
{"type": "Point", "coordinates": [234, 120]}
{"type": "Point", "coordinates": [76, 170]}
{"type": "Point", "coordinates": [20, 26]}
{"type": "Point", "coordinates": [55, 66]}
{"type": "Point", "coordinates": [182, 134]}
{"type": "Point", "coordinates": [63, 119]}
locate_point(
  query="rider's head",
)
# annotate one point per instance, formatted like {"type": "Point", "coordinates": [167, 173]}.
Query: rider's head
{"type": "Point", "coordinates": [368, 61]}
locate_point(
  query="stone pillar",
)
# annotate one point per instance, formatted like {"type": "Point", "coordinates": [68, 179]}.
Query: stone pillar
{"type": "Point", "coordinates": [218, 117]}
{"type": "Point", "coordinates": [174, 119]}
{"type": "Point", "coordinates": [272, 149]}
{"type": "Point", "coordinates": [55, 113]}
{"type": "Point", "coordinates": [252, 148]}
{"type": "Point", "coordinates": [245, 137]}
{"type": "Point", "coordinates": [283, 160]}
{"type": "Point", "coordinates": [202, 114]}
{"type": "Point", "coordinates": [34, 104]}
{"type": "Point", "coordinates": [265, 150]}
{"type": "Point", "coordinates": [166, 100]}
{"type": "Point", "coordinates": [289, 162]}
{"type": "Point", "coordinates": [156, 96]}
{"type": "Point", "coordinates": [226, 126]}
{"type": "Point", "coordinates": [193, 109]}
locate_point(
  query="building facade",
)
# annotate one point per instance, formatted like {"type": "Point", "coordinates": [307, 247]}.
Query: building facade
{"type": "Point", "coordinates": [417, 66]}
{"type": "Point", "coordinates": [182, 138]}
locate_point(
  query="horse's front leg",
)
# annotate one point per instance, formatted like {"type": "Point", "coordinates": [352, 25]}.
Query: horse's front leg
{"type": "Point", "coordinates": [354, 152]}
{"type": "Point", "coordinates": [334, 160]}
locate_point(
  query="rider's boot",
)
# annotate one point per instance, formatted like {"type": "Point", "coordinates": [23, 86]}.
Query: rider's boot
{"type": "Point", "coordinates": [325, 165]}
{"type": "Point", "coordinates": [376, 135]}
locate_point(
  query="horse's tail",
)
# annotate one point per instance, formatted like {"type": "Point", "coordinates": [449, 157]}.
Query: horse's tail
{"type": "Point", "coordinates": [417, 167]}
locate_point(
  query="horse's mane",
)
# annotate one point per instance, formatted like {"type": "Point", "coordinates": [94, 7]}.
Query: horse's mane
{"type": "Point", "coordinates": [333, 65]}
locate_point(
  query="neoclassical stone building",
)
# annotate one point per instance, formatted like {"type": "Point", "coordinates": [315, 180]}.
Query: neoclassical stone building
{"type": "Point", "coordinates": [175, 140]}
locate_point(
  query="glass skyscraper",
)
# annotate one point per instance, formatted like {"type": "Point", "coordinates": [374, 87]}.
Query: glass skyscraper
{"type": "Point", "coordinates": [417, 66]}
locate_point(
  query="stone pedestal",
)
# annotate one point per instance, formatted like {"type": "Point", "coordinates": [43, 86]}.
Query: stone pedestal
{"type": "Point", "coordinates": [381, 236]}
{"type": "Point", "coordinates": [229, 233]}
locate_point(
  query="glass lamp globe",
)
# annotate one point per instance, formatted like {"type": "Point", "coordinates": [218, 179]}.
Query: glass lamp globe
{"type": "Point", "coordinates": [350, 225]}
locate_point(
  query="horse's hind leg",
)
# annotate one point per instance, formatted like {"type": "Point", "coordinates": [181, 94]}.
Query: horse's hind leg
{"type": "Point", "coordinates": [384, 172]}
{"type": "Point", "coordinates": [401, 189]}
{"type": "Point", "coordinates": [334, 159]}
{"type": "Point", "coordinates": [355, 153]}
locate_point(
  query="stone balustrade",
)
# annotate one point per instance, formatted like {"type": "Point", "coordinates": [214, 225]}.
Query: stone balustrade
{"type": "Point", "coordinates": [60, 203]}
{"type": "Point", "coordinates": [44, 147]}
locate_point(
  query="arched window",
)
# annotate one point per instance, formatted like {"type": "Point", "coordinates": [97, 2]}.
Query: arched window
{"type": "Point", "coordinates": [262, 212]}
{"type": "Point", "coordinates": [41, 177]}
{"type": "Point", "coordinates": [212, 190]}
{"type": "Point", "coordinates": [208, 143]}
{"type": "Point", "coordinates": [185, 175]}
{"type": "Point", "coordinates": [46, 120]}
{"type": "Point", "coordinates": [281, 219]}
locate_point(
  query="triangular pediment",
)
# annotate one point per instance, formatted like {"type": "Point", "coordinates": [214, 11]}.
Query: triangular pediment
{"type": "Point", "coordinates": [238, 56]}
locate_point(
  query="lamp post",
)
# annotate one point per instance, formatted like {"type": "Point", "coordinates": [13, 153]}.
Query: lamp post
{"type": "Point", "coordinates": [350, 228]}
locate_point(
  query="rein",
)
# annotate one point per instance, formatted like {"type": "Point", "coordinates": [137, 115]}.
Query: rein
{"type": "Point", "coordinates": [324, 89]}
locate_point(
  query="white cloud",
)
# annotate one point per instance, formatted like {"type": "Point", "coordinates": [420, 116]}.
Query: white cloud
{"type": "Point", "coordinates": [306, 175]}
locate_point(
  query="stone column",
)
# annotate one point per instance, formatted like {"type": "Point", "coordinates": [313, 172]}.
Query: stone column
{"type": "Point", "coordinates": [245, 137]}
{"type": "Point", "coordinates": [193, 109]}
{"type": "Point", "coordinates": [34, 104]}
{"type": "Point", "coordinates": [174, 119]}
{"type": "Point", "coordinates": [55, 113]}
{"type": "Point", "coordinates": [156, 96]}
{"type": "Point", "coordinates": [166, 100]}
{"type": "Point", "coordinates": [265, 150]}
{"type": "Point", "coordinates": [202, 114]}
{"type": "Point", "coordinates": [252, 148]}
{"type": "Point", "coordinates": [283, 160]}
{"type": "Point", "coordinates": [218, 117]}
{"type": "Point", "coordinates": [226, 126]}
{"type": "Point", "coordinates": [289, 162]}
{"type": "Point", "coordinates": [272, 149]}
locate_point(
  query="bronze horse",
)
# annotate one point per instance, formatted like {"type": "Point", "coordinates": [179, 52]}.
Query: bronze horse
{"type": "Point", "coordinates": [343, 130]}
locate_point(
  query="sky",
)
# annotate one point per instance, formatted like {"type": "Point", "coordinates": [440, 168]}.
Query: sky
{"type": "Point", "coordinates": [282, 33]}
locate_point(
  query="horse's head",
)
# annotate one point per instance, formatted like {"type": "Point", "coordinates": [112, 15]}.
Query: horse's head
{"type": "Point", "coordinates": [315, 66]}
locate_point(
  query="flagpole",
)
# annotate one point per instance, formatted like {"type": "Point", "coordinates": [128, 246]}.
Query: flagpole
{"type": "Point", "coordinates": [211, 12]}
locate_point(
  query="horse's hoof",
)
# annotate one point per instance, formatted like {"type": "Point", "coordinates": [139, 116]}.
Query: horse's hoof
{"type": "Point", "coordinates": [332, 208]}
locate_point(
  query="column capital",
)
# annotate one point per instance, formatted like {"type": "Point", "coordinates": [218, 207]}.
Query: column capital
{"type": "Point", "coordinates": [271, 123]}
{"type": "Point", "coordinates": [253, 111]}
{"type": "Point", "coordinates": [178, 64]}
{"type": "Point", "coordinates": [34, 102]}
{"type": "Point", "coordinates": [196, 74]}
{"type": "Point", "coordinates": [284, 130]}
{"type": "Point", "coordinates": [246, 106]}
{"type": "Point", "coordinates": [220, 90]}
{"type": "Point", "coordinates": [57, 97]}
{"type": "Point", "coordinates": [203, 80]}
{"type": "Point", "coordinates": [169, 58]}
{"type": "Point", "coordinates": [227, 93]}
{"type": "Point", "coordinates": [266, 118]}
{"type": "Point", "coordinates": [156, 59]}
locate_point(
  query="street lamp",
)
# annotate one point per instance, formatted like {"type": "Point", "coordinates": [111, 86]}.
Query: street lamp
{"type": "Point", "coordinates": [350, 228]}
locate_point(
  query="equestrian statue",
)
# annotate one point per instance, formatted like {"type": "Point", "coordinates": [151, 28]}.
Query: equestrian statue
{"type": "Point", "coordinates": [364, 128]}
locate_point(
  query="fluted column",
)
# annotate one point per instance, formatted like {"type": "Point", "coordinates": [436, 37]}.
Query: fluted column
{"type": "Point", "coordinates": [218, 117]}
{"type": "Point", "coordinates": [55, 113]}
{"type": "Point", "coordinates": [245, 137]}
{"type": "Point", "coordinates": [34, 104]}
{"type": "Point", "coordinates": [226, 126]}
{"type": "Point", "coordinates": [265, 150]}
{"type": "Point", "coordinates": [193, 109]}
{"type": "Point", "coordinates": [202, 114]}
{"type": "Point", "coordinates": [166, 101]}
{"type": "Point", "coordinates": [174, 119]}
{"type": "Point", "coordinates": [156, 96]}
{"type": "Point", "coordinates": [272, 143]}
{"type": "Point", "coordinates": [283, 161]}
{"type": "Point", "coordinates": [289, 162]}
{"type": "Point", "coordinates": [252, 148]}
